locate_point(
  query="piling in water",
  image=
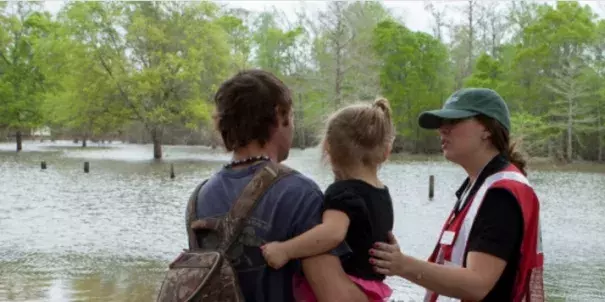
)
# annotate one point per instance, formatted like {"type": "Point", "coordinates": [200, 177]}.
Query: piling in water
{"type": "Point", "coordinates": [86, 167]}
{"type": "Point", "coordinates": [171, 171]}
{"type": "Point", "coordinates": [431, 187]}
{"type": "Point", "coordinates": [43, 165]}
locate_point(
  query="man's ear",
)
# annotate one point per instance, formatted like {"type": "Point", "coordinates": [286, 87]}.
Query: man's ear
{"type": "Point", "coordinates": [283, 116]}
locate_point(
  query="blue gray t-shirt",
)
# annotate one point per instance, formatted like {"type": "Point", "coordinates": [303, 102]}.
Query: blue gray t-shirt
{"type": "Point", "coordinates": [290, 207]}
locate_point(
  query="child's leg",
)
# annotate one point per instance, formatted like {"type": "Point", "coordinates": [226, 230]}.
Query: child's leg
{"type": "Point", "coordinates": [302, 289]}
{"type": "Point", "coordinates": [376, 291]}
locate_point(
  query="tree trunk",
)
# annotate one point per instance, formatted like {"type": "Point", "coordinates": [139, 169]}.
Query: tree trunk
{"type": "Point", "coordinates": [599, 135]}
{"type": "Point", "coordinates": [339, 46]}
{"type": "Point", "coordinates": [570, 131]}
{"type": "Point", "coordinates": [338, 79]}
{"type": "Point", "coordinates": [19, 140]}
{"type": "Point", "coordinates": [471, 37]}
{"type": "Point", "coordinates": [301, 124]}
{"type": "Point", "coordinates": [156, 137]}
{"type": "Point", "coordinates": [417, 141]}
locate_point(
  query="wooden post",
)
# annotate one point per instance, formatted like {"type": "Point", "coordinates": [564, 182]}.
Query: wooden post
{"type": "Point", "coordinates": [301, 122]}
{"type": "Point", "coordinates": [43, 165]}
{"type": "Point", "coordinates": [431, 187]}
{"type": "Point", "coordinates": [86, 167]}
{"type": "Point", "coordinates": [171, 171]}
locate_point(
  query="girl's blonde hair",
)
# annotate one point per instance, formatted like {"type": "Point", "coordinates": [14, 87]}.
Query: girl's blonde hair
{"type": "Point", "coordinates": [359, 134]}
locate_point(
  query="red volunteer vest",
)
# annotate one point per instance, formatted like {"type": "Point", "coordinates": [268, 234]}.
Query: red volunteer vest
{"type": "Point", "coordinates": [451, 248]}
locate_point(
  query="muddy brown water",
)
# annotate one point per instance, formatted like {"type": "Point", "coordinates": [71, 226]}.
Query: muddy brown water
{"type": "Point", "coordinates": [109, 234]}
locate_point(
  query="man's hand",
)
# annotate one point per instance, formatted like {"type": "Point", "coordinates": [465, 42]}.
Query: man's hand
{"type": "Point", "coordinates": [275, 254]}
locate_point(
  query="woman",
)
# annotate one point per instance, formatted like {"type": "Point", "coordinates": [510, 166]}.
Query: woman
{"type": "Point", "coordinates": [490, 246]}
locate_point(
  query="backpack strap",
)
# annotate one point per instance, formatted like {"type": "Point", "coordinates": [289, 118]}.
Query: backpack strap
{"type": "Point", "coordinates": [231, 225]}
{"type": "Point", "coordinates": [191, 215]}
{"type": "Point", "coordinates": [263, 179]}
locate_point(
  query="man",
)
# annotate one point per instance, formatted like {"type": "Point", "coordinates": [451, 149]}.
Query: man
{"type": "Point", "coordinates": [255, 120]}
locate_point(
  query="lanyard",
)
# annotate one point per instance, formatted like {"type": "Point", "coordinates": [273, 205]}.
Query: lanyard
{"type": "Point", "coordinates": [461, 202]}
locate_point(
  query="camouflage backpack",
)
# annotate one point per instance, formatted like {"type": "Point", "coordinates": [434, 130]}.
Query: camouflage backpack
{"type": "Point", "coordinates": [203, 272]}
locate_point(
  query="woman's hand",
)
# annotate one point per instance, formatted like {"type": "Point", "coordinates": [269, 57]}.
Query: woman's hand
{"type": "Point", "coordinates": [387, 258]}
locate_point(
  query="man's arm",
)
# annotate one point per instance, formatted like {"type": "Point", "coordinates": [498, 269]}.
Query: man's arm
{"type": "Point", "coordinates": [329, 281]}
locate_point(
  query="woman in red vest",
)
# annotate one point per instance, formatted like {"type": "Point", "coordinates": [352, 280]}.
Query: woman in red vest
{"type": "Point", "coordinates": [490, 246]}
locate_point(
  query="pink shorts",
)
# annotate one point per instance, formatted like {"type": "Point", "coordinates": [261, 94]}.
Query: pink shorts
{"type": "Point", "coordinates": [375, 290]}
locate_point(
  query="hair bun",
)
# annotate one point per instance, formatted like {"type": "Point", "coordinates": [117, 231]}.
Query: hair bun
{"type": "Point", "coordinates": [383, 104]}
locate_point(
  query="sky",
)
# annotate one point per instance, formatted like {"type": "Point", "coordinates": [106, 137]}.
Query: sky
{"type": "Point", "coordinates": [412, 12]}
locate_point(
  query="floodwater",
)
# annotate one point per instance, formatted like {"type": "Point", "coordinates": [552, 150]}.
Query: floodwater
{"type": "Point", "coordinates": [108, 235]}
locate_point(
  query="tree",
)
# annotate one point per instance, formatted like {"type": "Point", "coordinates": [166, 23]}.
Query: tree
{"type": "Point", "coordinates": [163, 65]}
{"type": "Point", "coordinates": [439, 17]}
{"type": "Point", "coordinates": [569, 86]}
{"type": "Point", "coordinates": [550, 60]}
{"type": "Point", "coordinates": [85, 104]}
{"type": "Point", "coordinates": [465, 40]}
{"type": "Point", "coordinates": [274, 46]}
{"type": "Point", "coordinates": [347, 68]}
{"type": "Point", "coordinates": [239, 34]}
{"type": "Point", "coordinates": [488, 73]}
{"type": "Point", "coordinates": [22, 81]}
{"type": "Point", "coordinates": [411, 76]}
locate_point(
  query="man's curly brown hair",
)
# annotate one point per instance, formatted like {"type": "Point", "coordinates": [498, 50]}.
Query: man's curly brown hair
{"type": "Point", "coordinates": [246, 107]}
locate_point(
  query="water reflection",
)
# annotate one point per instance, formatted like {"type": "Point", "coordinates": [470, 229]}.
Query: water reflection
{"type": "Point", "coordinates": [109, 234]}
{"type": "Point", "coordinates": [136, 284]}
{"type": "Point", "coordinates": [80, 278]}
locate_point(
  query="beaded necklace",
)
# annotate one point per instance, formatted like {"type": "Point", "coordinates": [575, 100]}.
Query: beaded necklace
{"type": "Point", "coordinates": [246, 161]}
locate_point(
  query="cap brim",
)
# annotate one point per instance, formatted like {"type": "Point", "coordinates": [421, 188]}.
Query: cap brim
{"type": "Point", "coordinates": [434, 118]}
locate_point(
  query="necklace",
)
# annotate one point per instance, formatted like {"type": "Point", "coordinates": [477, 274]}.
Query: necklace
{"type": "Point", "coordinates": [247, 160]}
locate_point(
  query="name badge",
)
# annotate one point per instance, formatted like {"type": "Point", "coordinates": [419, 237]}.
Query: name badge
{"type": "Point", "coordinates": [447, 237]}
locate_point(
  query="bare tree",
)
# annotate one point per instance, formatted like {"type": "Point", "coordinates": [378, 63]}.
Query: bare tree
{"type": "Point", "coordinates": [568, 86]}
{"type": "Point", "coordinates": [439, 16]}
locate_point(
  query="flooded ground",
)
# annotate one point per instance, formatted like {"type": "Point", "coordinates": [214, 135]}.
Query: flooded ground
{"type": "Point", "coordinates": [109, 234]}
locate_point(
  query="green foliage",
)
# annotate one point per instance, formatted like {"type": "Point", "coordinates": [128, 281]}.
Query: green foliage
{"type": "Point", "coordinates": [160, 72]}
{"type": "Point", "coordinates": [23, 28]}
{"type": "Point", "coordinates": [97, 69]}
{"type": "Point", "coordinates": [274, 46]}
{"type": "Point", "coordinates": [488, 73]}
{"type": "Point", "coordinates": [412, 76]}
{"type": "Point", "coordinates": [549, 74]}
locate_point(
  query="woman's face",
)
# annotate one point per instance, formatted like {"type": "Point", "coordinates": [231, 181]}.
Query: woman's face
{"type": "Point", "coordinates": [462, 139]}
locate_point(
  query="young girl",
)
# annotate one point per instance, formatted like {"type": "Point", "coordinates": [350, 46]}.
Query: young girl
{"type": "Point", "coordinates": [357, 205]}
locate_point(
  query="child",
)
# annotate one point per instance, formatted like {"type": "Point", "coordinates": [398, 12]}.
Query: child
{"type": "Point", "coordinates": [357, 205]}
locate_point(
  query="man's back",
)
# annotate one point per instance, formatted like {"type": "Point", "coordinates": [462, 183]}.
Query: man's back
{"type": "Point", "coordinates": [290, 207]}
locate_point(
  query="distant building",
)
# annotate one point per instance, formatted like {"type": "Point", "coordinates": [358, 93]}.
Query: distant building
{"type": "Point", "coordinates": [41, 132]}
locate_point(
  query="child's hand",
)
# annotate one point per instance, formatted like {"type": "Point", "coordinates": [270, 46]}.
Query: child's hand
{"type": "Point", "coordinates": [275, 254]}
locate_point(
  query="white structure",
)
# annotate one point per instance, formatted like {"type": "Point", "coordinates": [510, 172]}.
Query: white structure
{"type": "Point", "coordinates": [41, 132]}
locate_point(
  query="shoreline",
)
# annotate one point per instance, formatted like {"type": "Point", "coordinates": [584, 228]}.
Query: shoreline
{"type": "Point", "coordinates": [536, 162]}
{"type": "Point", "coordinates": [533, 163]}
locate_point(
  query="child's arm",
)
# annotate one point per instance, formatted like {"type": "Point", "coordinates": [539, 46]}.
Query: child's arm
{"type": "Point", "coordinates": [320, 239]}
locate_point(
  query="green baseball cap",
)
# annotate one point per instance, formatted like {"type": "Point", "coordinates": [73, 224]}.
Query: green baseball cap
{"type": "Point", "coordinates": [466, 103]}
